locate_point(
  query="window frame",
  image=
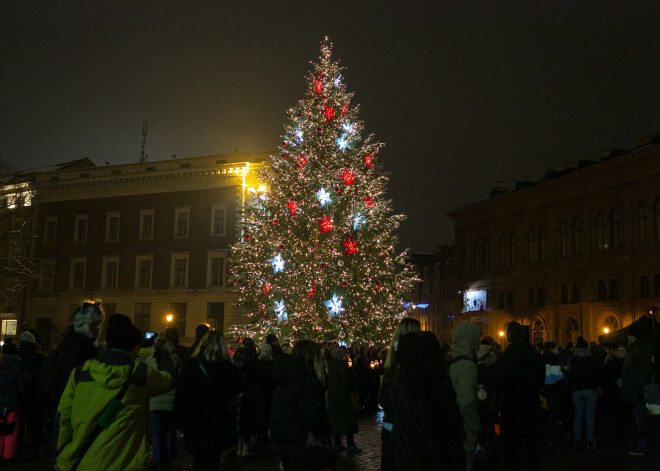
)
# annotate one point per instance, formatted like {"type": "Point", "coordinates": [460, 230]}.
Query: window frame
{"type": "Point", "coordinates": [210, 255]}
{"type": "Point", "coordinates": [108, 216]}
{"type": "Point", "coordinates": [75, 261]}
{"type": "Point", "coordinates": [77, 220]}
{"type": "Point", "coordinates": [143, 213]}
{"type": "Point", "coordinates": [181, 210]}
{"type": "Point", "coordinates": [42, 288]}
{"type": "Point", "coordinates": [104, 270]}
{"type": "Point", "coordinates": [214, 208]}
{"type": "Point", "coordinates": [48, 240]}
{"type": "Point", "coordinates": [144, 258]}
{"type": "Point", "coordinates": [174, 256]}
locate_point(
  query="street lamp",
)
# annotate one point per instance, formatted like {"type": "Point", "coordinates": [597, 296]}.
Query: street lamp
{"type": "Point", "coordinates": [606, 330]}
{"type": "Point", "coordinates": [169, 318]}
{"type": "Point", "coordinates": [501, 333]}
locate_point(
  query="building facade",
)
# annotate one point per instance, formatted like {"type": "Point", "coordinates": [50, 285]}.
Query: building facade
{"type": "Point", "coordinates": [574, 253]}
{"type": "Point", "coordinates": [149, 239]}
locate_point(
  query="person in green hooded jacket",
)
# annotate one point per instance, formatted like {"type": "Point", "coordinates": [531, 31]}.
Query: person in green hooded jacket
{"type": "Point", "coordinates": [123, 445]}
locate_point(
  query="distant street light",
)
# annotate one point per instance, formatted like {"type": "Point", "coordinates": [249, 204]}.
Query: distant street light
{"type": "Point", "coordinates": [169, 317]}
{"type": "Point", "coordinates": [606, 330]}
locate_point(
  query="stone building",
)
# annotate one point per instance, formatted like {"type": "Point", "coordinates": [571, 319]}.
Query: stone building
{"type": "Point", "coordinates": [576, 252]}
{"type": "Point", "coordinates": [149, 239]}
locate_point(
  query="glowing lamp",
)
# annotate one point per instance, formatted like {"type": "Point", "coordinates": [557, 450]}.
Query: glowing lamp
{"type": "Point", "coordinates": [501, 333]}
{"type": "Point", "coordinates": [606, 330]}
{"type": "Point", "coordinates": [169, 317]}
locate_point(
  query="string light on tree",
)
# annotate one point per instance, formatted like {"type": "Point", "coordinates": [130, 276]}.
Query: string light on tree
{"type": "Point", "coordinates": [324, 166]}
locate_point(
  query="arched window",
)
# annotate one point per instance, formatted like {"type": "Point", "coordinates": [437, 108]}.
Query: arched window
{"type": "Point", "coordinates": [532, 246]}
{"type": "Point", "coordinates": [616, 228]}
{"type": "Point", "coordinates": [512, 249]}
{"type": "Point", "coordinates": [540, 297]}
{"type": "Point", "coordinates": [538, 331]}
{"type": "Point", "coordinates": [486, 252]}
{"type": "Point", "coordinates": [503, 251]}
{"type": "Point", "coordinates": [601, 231]}
{"type": "Point", "coordinates": [572, 330]}
{"type": "Point", "coordinates": [602, 291]}
{"type": "Point", "coordinates": [575, 294]}
{"type": "Point", "coordinates": [530, 297]}
{"type": "Point", "coordinates": [563, 239]}
{"type": "Point", "coordinates": [610, 323]}
{"type": "Point", "coordinates": [642, 223]}
{"type": "Point", "coordinates": [509, 299]}
{"type": "Point", "coordinates": [564, 294]}
{"type": "Point", "coordinates": [614, 290]}
{"type": "Point", "coordinates": [577, 236]}
{"type": "Point", "coordinates": [543, 243]}
{"type": "Point", "coordinates": [644, 287]}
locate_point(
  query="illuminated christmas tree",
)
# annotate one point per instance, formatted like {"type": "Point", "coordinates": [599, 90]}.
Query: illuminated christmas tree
{"type": "Point", "coordinates": [316, 258]}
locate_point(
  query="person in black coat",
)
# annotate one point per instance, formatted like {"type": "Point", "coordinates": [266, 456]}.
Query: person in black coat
{"type": "Point", "coordinates": [298, 416]}
{"type": "Point", "coordinates": [207, 389]}
{"type": "Point", "coordinates": [251, 401]}
{"type": "Point", "coordinates": [427, 427]}
{"type": "Point", "coordinates": [518, 380]}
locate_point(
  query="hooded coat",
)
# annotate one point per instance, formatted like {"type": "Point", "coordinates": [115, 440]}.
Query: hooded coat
{"type": "Point", "coordinates": [465, 380]}
{"type": "Point", "coordinates": [124, 445]}
{"type": "Point", "coordinates": [340, 405]}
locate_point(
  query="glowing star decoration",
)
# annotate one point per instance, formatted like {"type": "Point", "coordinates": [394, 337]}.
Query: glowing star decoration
{"type": "Point", "coordinates": [280, 310]}
{"type": "Point", "coordinates": [351, 246]}
{"type": "Point", "coordinates": [368, 200]}
{"type": "Point", "coordinates": [326, 224]}
{"type": "Point", "coordinates": [278, 263]}
{"type": "Point", "coordinates": [299, 135]}
{"type": "Point", "coordinates": [348, 177]}
{"type": "Point", "coordinates": [368, 160]}
{"type": "Point", "coordinates": [338, 81]}
{"type": "Point", "coordinates": [349, 128]}
{"type": "Point", "coordinates": [323, 196]}
{"type": "Point", "coordinates": [292, 206]}
{"type": "Point", "coordinates": [358, 221]}
{"type": "Point", "coordinates": [342, 143]}
{"type": "Point", "coordinates": [334, 306]}
{"type": "Point", "coordinates": [329, 113]}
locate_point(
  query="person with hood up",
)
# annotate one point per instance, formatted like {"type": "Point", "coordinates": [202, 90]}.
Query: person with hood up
{"type": "Point", "coordinates": [465, 380]}
{"type": "Point", "coordinates": [486, 400]}
{"type": "Point", "coordinates": [426, 419]}
{"type": "Point", "coordinates": [518, 380]}
{"type": "Point", "coordinates": [12, 387]}
{"type": "Point", "coordinates": [104, 410]}
{"type": "Point", "coordinates": [77, 344]}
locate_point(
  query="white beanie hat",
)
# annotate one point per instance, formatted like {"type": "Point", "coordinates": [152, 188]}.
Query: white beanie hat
{"type": "Point", "coordinates": [88, 313]}
{"type": "Point", "coordinates": [27, 337]}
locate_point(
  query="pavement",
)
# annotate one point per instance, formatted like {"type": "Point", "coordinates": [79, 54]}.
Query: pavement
{"type": "Point", "coordinates": [562, 458]}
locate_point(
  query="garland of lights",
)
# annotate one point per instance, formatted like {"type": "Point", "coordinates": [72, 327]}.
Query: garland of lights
{"type": "Point", "coordinates": [317, 254]}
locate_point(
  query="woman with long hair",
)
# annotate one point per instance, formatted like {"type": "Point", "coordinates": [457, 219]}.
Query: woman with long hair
{"type": "Point", "coordinates": [406, 325]}
{"type": "Point", "coordinates": [299, 423]}
{"type": "Point", "coordinates": [208, 386]}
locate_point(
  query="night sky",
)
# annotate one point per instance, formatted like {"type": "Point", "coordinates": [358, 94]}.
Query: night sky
{"type": "Point", "coordinates": [463, 93]}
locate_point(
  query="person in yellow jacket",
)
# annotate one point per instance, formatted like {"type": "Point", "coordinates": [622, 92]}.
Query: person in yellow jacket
{"type": "Point", "coordinates": [122, 442]}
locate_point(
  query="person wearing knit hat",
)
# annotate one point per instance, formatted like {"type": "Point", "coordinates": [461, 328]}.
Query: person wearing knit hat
{"type": "Point", "coordinates": [114, 375]}
{"type": "Point", "coordinates": [27, 337]}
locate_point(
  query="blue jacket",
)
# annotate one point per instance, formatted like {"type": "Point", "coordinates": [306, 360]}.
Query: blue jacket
{"type": "Point", "coordinates": [12, 381]}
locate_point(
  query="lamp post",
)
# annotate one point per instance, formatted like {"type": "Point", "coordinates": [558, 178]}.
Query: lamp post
{"type": "Point", "coordinates": [606, 330]}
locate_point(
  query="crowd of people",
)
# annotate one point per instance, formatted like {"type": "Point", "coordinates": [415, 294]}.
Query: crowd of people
{"type": "Point", "coordinates": [122, 404]}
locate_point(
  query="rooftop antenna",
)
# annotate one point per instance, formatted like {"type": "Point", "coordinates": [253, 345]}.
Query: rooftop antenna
{"type": "Point", "coordinates": [145, 129]}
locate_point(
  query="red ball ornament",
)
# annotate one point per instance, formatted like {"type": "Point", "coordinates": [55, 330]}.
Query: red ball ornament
{"type": "Point", "coordinates": [247, 237]}
{"type": "Point", "coordinates": [240, 339]}
{"type": "Point", "coordinates": [319, 130]}
{"type": "Point", "coordinates": [323, 265]}
{"type": "Point", "coordinates": [295, 321]}
{"type": "Point", "coordinates": [320, 75]}
{"type": "Point", "coordinates": [344, 284]}
{"type": "Point", "coordinates": [282, 247]}
{"type": "Point", "coordinates": [337, 189]}
{"type": "Point", "coordinates": [300, 115]}
{"type": "Point", "coordinates": [284, 144]}
{"type": "Point", "coordinates": [283, 156]}
{"type": "Point", "coordinates": [276, 221]}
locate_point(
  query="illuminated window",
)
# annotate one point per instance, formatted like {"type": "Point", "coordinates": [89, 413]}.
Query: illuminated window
{"type": "Point", "coordinates": [611, 323]}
